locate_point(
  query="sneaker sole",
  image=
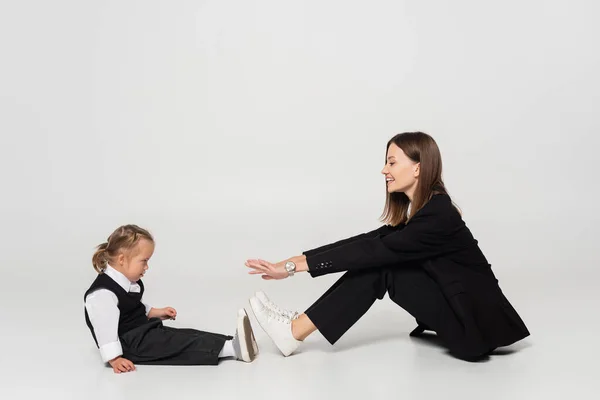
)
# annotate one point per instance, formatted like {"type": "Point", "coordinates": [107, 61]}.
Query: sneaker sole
{"type": "Point", "coordinates": [245, 331]}
{"type": "Point", "coordinates": [252, 337]}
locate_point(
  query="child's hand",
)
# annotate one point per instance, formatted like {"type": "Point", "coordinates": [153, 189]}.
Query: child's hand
{"type": "Point", "coordinates": [121, 364]}
{"type": "Point", "coordinates": [168, 313]}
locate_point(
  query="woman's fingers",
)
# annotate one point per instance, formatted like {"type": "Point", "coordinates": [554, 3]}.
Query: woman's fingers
{"type": "Point", "coordinates": [257, 262]}
{"type": "Point", "coordinates": [255, 265]}
{"type": "Point", "coordinates": [256, 272]}
{"type": "Point", "coordinates": [265, 264]}
{"type": "Point", "coordinates": [261, 267]}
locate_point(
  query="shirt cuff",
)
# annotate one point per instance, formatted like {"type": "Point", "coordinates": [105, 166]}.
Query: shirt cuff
{"type": "Point", "coordinates": [111, 350]}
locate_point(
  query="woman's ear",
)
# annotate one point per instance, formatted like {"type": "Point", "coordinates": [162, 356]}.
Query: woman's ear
{"type": "Point", "coordinates": [417, 169]}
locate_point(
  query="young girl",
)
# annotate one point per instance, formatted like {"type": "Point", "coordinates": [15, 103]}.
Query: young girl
{"type": "Point", "coordinates": [128, 331]}
{"type": "Point", "coordinates": [425, 258]}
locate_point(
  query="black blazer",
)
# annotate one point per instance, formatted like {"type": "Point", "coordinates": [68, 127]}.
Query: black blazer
{"type": "Point", "coordinates": [440, 241]}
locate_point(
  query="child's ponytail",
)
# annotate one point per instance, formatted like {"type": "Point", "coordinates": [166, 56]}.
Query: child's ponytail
{"type": "Point", "coordinates": [99, 260]}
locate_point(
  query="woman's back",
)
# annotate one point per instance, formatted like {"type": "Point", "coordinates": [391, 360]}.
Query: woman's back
{"type": "Point", "coordinates": [463, 248]}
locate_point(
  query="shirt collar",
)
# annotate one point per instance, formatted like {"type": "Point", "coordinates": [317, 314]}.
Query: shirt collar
{"type": "Point", "coordinates": [119, 278]}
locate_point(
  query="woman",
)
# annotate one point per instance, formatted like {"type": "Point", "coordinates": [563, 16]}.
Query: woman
{"type": "Point", "coordinates": [424, 256]}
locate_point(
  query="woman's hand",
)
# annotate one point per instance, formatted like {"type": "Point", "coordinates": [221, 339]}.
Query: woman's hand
{"type": "Point", "coordinates": [266, 269]}
{"type": "Point", "coordinates": [275, 271]}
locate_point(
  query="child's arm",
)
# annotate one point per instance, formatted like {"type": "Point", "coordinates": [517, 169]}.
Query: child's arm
{"type": "Point", "coordinates": [162, 313]}
{"type": "Point", "coordinates": [147, 306]}
{"type": "Point", "coordinates": [103, 311]}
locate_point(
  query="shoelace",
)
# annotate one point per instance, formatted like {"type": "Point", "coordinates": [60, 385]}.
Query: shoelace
{"type": "Point", "coordinates": [286, 313]}
{"type": "Point", "coordinates": [278, 317]}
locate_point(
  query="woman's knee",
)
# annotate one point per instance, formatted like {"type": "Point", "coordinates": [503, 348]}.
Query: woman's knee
{"type": "Point", "coordinates": [371, 278]}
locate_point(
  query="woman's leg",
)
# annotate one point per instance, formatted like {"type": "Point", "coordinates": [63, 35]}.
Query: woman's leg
{"type": "Point", "coordinates": [333, 313]}
{"type": "Point", "coordinates": [417, 293]}
{"type": "Point", "coordinates": [302, 327]}
{"type": "Point", "coordinates": [342, 305]}
{"type": "Point", "coordinates": [354, 293]}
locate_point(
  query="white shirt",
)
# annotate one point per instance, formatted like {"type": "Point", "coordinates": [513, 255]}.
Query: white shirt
{"type": "Point", "coordinates": [103, 311]}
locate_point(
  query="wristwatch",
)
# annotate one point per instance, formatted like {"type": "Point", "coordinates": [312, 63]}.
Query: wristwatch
{"type": "Point", "coordinates": [290, 267]}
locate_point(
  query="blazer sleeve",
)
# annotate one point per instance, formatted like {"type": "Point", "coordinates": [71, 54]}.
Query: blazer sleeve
{"type": "Point", "coordinates": [428, 234]}
{"type": "Point", "coordinates": [383, 230]}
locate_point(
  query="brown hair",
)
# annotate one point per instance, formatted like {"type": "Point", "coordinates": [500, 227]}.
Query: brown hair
{"type": "Point", "coordinates": [123, 238]}
{"type": "Point", "coordinates": [421, 148]}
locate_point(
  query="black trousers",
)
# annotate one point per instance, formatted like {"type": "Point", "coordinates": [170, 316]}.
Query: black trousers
{"type": "Point", "coordinates": [355, 292]}
{"type": "Point", "coordinates": [156, 344]}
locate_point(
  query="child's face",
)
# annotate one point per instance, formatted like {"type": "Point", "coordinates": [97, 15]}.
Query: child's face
{"type": "Point", "coordinates": [134, 265]}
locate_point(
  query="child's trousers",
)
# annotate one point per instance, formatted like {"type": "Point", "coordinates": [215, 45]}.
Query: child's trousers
{"type": "Point", "coordinates": [156, 344]}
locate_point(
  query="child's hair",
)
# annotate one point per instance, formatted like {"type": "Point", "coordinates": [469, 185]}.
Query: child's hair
{"type": "Point", "coordinates": [123, 238]}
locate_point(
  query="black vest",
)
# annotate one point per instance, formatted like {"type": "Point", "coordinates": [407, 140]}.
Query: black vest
{"type": "Point", "coordinates": [132, 311]}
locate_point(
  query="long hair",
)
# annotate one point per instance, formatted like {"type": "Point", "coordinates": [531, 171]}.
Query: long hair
{"type": "Point", "coordinates": [421, 148]}
{"type": "Point", "coordinates": [123, 238]}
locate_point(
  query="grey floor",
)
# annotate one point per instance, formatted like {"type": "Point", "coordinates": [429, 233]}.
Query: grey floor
{"type": "Point", "coordinates": [53, 353]}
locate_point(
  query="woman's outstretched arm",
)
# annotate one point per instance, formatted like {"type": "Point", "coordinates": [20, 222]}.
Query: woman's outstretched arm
{"type": "Point", "coordinates": [383, 230]}
{"type": "Point", "coordinates": [277, 270]}
{"type": "Point", "coordinates": [435, 230]}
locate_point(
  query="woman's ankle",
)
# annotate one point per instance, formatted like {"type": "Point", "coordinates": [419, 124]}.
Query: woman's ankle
{"type": "Point", "coordinates": [302, 327]}
{"type": "Point", "coordinates": [295, 329]}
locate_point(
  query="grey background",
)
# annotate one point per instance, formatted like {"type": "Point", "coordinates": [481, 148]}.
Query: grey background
{"type": "Point", "coordinates": [240, 129]}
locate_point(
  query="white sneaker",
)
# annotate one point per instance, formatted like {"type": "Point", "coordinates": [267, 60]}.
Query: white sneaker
{"type": "Point", "coordinates": [260, 295]}
{"type": "Point", "coordinates": [252, 338]}
{"type": "Point", "coordinates": [244, 344]}
{"type": "Point", "coordinates": [278, 327]}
